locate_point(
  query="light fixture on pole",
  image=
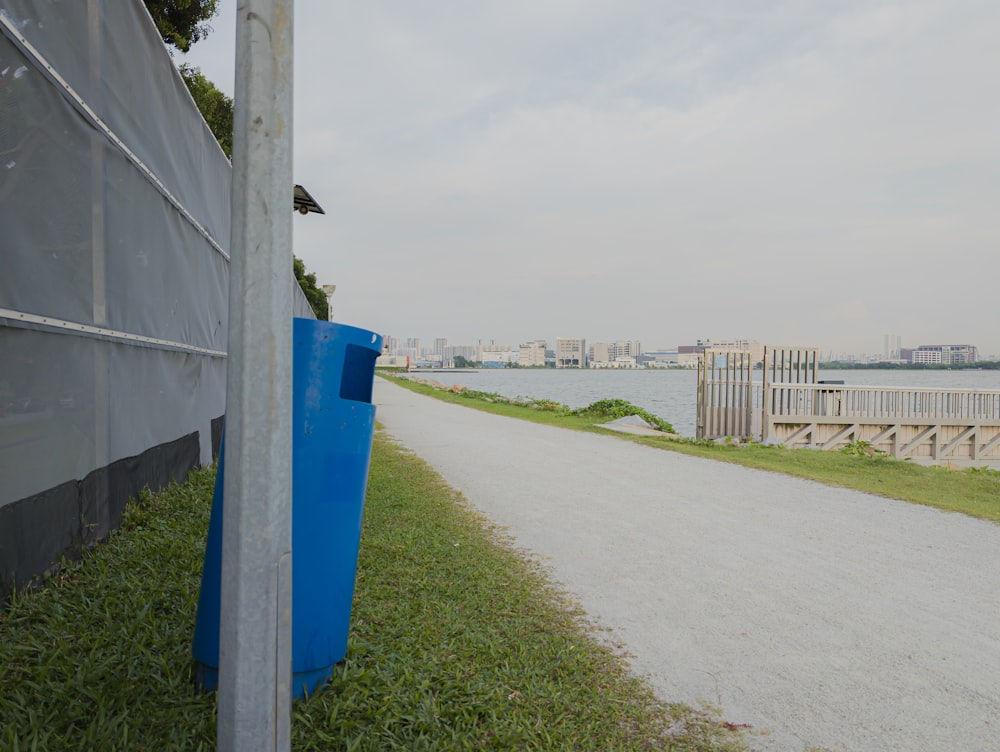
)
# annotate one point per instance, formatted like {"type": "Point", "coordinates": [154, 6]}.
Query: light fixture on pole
{"type": "Point", "coordinates": [304, 203]}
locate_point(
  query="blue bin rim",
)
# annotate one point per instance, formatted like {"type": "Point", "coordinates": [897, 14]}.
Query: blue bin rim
{"type": "Point", "coordinates": [352, 334]}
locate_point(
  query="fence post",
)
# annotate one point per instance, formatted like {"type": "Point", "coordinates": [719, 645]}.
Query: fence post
{"type": "Point", "coordinates": [765, 397]}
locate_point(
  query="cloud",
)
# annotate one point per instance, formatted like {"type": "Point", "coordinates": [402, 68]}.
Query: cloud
{"type": "Point", "coordinates": [663, 170]}
{"type": "Point", "coordinates": [850, 311]}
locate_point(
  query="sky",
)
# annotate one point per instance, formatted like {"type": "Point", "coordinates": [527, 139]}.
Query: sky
{"type": "Point", "coordinates": [801, 173]}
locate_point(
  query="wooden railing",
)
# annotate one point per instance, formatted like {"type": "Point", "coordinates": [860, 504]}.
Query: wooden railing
{"type": "Point", "coordinates": [960, 426]}
{"type": "Point", "coordinates": [896, 403]}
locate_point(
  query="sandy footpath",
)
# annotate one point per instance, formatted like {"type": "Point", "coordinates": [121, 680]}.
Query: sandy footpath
{"type": "Point", "coordinates": [826, 616]}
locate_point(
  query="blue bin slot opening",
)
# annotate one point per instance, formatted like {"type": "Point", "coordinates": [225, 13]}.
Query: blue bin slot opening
{"type": "Point", "coordinates": [359, 373]}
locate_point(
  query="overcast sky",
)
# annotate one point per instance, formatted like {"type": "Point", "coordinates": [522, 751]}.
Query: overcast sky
{"type": "Point", "coordinates": [809, 173]}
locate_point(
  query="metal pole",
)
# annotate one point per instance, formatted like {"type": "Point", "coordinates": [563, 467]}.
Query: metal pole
{"type": "Point", "coordinates": [255, 653]}
{"type": "Point", "coordinates": [98, 244]}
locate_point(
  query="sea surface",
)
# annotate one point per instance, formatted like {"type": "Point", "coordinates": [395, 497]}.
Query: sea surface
{"type": "Point", "coordinates": [669, 393]}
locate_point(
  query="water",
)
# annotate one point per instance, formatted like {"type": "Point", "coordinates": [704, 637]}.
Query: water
{"type": "Point", "coordinates": [671, 393]}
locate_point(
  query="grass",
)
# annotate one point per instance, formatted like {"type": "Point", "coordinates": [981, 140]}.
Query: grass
{"type": "Point", "coordinates": [975, 492]}
{"type": "Point", "coordinates": [458, 642]}
{"type": "Point", "coordinates": [972, 492]}
{"type": "Point", "coordinates": [99, 658]}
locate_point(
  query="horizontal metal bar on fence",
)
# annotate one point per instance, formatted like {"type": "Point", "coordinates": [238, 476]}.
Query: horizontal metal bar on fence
{"type": "Point", "coordinates": [60, 326]}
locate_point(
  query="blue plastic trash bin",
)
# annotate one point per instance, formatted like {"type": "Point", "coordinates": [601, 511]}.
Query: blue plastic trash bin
{"type": "Point", "coordinates": [333, 422]}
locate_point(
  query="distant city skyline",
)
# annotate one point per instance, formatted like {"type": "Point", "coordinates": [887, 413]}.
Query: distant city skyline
{"type": "Point", "coordinates": [431, 345]}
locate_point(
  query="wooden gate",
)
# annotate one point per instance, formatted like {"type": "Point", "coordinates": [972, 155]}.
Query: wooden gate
{"type": "Point", "coordinates": [732, 404]}
{"type": "Point", "coordinates": [726, 398]}
{"type": "Point", "coordinates": [784, 365]}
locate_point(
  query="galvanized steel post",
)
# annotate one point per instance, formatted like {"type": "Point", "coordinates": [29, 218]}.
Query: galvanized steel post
{"type": "Point", "coordinates": [256, 599]}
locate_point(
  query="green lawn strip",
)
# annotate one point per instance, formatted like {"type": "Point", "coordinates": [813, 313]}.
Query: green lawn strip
{"type": "Point", "coordinates": [972, 492]}
{"type": "Point", "coordinates": [99, 658]}
{"type": "Point", "coordinates": [458, 642]}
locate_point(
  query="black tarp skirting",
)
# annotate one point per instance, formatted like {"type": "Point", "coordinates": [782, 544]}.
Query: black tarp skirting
{"type": "Point", "coordinates": [37, 532]}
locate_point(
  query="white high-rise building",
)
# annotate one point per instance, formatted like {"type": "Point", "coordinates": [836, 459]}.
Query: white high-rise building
{"type": "Point", "coordinates": [893, 347]}
{"type": "Point", "coordinates": [623, 350]}
{"type": "Point", "coordinates": [945, 354]}
{"type": "Point", "coordinates": [599, 352]}
{"type": "Point", "coordinates": [469, 352]}
{"type": "Point", "coordinates": [610, 352]}
{"type": "Point", "coordinates": [571, 353]}
{"type": "Point", "coordinates": [532, 353]}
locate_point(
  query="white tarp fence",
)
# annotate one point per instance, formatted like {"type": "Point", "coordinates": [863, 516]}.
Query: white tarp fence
{"type": "Point", "coordinates": [114, 268]}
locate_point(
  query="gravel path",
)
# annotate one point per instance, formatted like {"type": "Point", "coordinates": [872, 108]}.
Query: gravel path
{"type": "Point", "coordinates": [824, 616]}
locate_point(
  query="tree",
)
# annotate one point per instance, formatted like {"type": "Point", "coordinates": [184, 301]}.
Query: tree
{"type": "Point", "coordinates": [214, 105]}
{"type": "Point", "coordinates": [181, 23]}
{"type": "Point", "coordinates": [315, 296]}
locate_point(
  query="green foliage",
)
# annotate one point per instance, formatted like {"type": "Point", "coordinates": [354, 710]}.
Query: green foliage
{"type": "Point", "coordinates": [862, 449]}
{"type": "Point", "coordinates": [314, 294]}
{"type": "Point", "coordinates": [215, 107]}
{"type": "Point", "coordinates": [987, 471]}
{"type": "Point", "coordinates": [484, 396]}
{"type": "Point", "coordinates": [696, 442]}
{"type": "Point", "coordinates": [530, 402]}
{"type": "Point", "coordinates": [542, 404]}
{"type": "Point", "coordinates": [181, 23]}
{"type": "Point", "coordinates": [619, 408]}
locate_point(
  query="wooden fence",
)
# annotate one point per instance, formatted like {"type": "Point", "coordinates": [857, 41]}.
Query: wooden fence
{"type": "Point", "coordinates": [956, 426]}
{"type": "Point", "coordinates": [789, 405]}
